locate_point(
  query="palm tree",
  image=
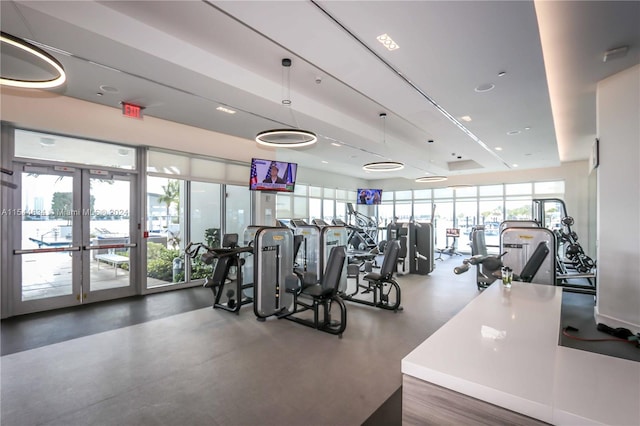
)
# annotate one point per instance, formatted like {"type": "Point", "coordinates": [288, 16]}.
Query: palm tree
{"type": "Point", "coordinates": [171, 195]}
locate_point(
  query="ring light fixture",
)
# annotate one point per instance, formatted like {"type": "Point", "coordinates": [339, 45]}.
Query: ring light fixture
{"type": "Point", "coordinates": [428, 179]}
{"type": "Point", "coordinates": [290, 138]}
{"type": "Point", "coordinates": [383, 166]}
{"type": "Point", "coordinates": [42, 56]}
{"type": "Point", "coordinates": [287, 138]}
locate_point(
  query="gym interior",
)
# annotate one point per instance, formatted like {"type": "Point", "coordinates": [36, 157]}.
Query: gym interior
{"type": "Point", "coordinates": [450, 244]}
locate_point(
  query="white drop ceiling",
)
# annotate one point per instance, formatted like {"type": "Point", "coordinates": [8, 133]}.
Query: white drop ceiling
{"type": "Point", "coordinates": [182, 59]}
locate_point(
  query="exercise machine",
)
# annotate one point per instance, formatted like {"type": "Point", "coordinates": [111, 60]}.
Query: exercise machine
{"type": "Point", "coordinates": [307, 254]}
{"type": "Point", "coordinates": [416, 241]}
{"type": "Point", "coordinates": [488, 267]}
{"type": "Point", "coordinates": [283, 294]}
{"type": "Point", "coordinates": [379, 285]}
{"type": "Point", "coordinates": [450, 249]}
{"type": "Point", "coordinates": [526, 249]}
{"type": "Point", "coordinates": [311, 293]}
{"type": "Point", "coordinates": [333, 236]}
{"type": "Point", "coordinates": [224, 258]}
{"type": "Point", "coordinates": [363, 233]}
{"type": "Point", "coordinates": [273, 263]}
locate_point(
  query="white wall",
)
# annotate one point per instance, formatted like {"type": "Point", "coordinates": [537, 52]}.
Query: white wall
{"type": "Point", "coordinates": [48, 112]}
{"type": "Point", "coordinates": [618, 126]}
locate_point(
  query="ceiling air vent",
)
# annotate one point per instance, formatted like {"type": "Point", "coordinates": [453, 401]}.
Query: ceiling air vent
{"type": "Point", "coordinates": [463, 165]}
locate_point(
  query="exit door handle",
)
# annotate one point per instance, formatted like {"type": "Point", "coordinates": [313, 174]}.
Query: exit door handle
{"type": "Point", "coordinates": [47, 250]}
{"type": "Point", "coordinates": [110, 246]}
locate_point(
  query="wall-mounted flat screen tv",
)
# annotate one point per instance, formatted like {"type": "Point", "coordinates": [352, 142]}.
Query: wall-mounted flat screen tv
{"type": "Point", "coordinates": [369, 196]}
{"type": "Point", "coordinates": [269, 175]}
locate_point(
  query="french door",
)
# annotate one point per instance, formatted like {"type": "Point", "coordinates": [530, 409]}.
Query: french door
{"type": "Point", "coordinates": [73, 237]}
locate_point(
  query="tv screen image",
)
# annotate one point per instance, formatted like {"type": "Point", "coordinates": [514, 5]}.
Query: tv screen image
{"type": "Point", "coordinates": [369, 196]}
{"type": "Point", "coordinates": [269, 175]}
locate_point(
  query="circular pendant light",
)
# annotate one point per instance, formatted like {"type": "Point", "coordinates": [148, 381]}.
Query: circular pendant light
{"type": "Point", "coordinates": [427, 179]}
{"type": "Point", "coordinates": [287, 138]}
{"type": "Point", "coordinates": [18, 52]}
{"type": "Point", "coordinates": [383, 166]}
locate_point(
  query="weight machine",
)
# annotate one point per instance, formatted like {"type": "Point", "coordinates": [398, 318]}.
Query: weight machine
{"type": "Point", "coordinates": [223, 259]}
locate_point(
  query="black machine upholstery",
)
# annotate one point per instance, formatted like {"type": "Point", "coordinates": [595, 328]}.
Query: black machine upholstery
{"type": "Point", "coordinates": [312, 294]}
{"type": "Point", "coordinates": [379, 282]}
{"type": "Point", "coordinates": [402, 253]}
{"type": "Point", "coordinates": [478, 243]}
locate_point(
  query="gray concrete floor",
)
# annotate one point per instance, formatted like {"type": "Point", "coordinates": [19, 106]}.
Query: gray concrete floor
{"type": "Point", "coordinates": [216, 368]}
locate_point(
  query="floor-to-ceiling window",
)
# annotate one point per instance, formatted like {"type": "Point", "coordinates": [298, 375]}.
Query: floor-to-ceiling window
{"type": "Point", "coordinates": [166, 231]}
{"type": "Point", "coordinates": [238, 210]}
{"type": "Point", "coordinates": [466, 215]}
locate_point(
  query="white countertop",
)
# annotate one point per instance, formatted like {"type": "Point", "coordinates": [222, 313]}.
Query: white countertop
{"type": "Point", "coordinates": [502, 348]}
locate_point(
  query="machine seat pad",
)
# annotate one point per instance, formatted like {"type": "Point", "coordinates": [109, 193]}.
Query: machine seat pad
{"type": "Point", "coordinates": [373, 276]}
{"type": "Point", "coordinates": [316, 290]}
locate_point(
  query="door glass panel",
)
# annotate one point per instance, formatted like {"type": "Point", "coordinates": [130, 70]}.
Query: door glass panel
{"type": "Point", "coordinates": [46, 222]}
{"type": "Point", "coordinates": [109, 226]}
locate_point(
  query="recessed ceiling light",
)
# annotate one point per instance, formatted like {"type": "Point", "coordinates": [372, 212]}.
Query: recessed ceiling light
{"type": "Point", "coordinates": [325, 162]}
{"type": "Point", "coordinates": [498, 148]}
{"type": "Point", "coordinates": [336, 144]}
{"type": "Point", "coordinates": [513, 132]}
{"type": "Point", "coordinates": [465, 118]}
{"type": "Point", "coordinates": [514, 165]}
{"type": "Point", "coordinates": [387, 42]}
{"type": "Point", "coordinates": [227, 110]}
{"type": "Point", "coordinates": [502, 73]}
{"type": "Point", "coordinates": [109, 89]}
{"type": "Point", "coordinates": [484, 87]}
{"type": "Point", "coordinates": [527, 128]}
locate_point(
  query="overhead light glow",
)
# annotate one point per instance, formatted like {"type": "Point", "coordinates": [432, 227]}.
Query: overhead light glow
{"type": "Point", "coordinates": [484, 87]}
{"type": "Point", "coordinates": [289, 138]}
{"type": "Point", "coordinates": [428, 179]}
{"type": "Point", "coordinates": [286, 138]}
{"type": "Point", "coordinates": [40, 55]}
{"type": "Point", "coordinates": [227, 110]}
{"type": "Point", "coordinates": [387, 42]}
{"type": "Point", "coordinates": [498, 148]}
{"type": "Point", "coordinates": [383, 166]}
{"type": "Point", "coordinates": [336, 144]}
{"type": "Point", "coordinates": [465, 118]}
